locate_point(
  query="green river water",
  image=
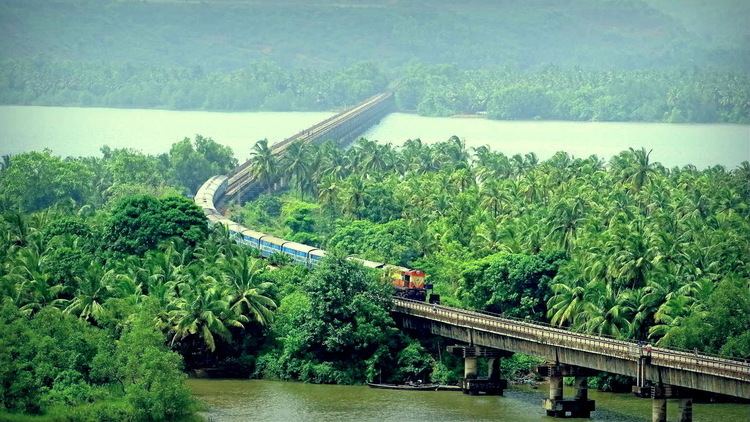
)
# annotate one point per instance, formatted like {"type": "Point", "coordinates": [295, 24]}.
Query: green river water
{"type": "Point", "coordinates": [258, 400]}
{"type": "Point", "coordinates": [82, 131]}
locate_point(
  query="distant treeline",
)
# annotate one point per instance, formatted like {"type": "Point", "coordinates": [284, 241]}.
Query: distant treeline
{"type": "Point", "coordinates": [260, 86]}
{"type": "Point", "coordinates": [431, 90]}
{"type": "Point", "coordinates": [575, 94]}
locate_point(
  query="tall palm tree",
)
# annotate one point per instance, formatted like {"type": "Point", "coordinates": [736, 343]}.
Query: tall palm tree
{"type": "Point", "coordinates": [296, 162]}
{"type": "Point", "coordinates": [568, 215]}
{"type": "Point", "coordinates": [247, 294]}
{"type": "Point", "coordinates": [454, 152]}
{"type": "Point", "coordinates": [566, 303]}
{"type": "Point", "coordinates": [202, 308]}
{"type": "Point", "coordinates": [263, 163]}
{"type": "Point", "coordinates": [355, 196]}
{"type": "Point", "coordinates": [639, 169]}
{"type": "Point", "coordinates": [93, 290]}
{"type": "Point", "coordinates": [606, 311]}
{"type": "Point", "coordinates": [33, 286]}
{"type": "Point", "coordinates": [329, 193]}
{"type": "Point", "coordinates": [492, 198]}
{"type": "Point", "coordinates": [631, 254]}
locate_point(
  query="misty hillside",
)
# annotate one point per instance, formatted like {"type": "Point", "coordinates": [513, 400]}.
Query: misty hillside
{"type": "Point", "coordinates": [618, 60]}
{"type": "Point", "coordinates": [228, 35]}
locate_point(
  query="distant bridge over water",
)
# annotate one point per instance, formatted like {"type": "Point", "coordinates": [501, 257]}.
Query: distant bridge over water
{"type": "Point", "coordinates": [342, 128]}
{"type": "Point", "coordinates": [660, 373]}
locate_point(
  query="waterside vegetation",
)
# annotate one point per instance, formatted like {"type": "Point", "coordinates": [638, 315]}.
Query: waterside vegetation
{"type": "Point", "coordinates": [114, 285]}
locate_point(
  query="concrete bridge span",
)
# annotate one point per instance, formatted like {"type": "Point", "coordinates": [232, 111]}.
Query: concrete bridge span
{"type": "Point", "coordinates": [660, 373]}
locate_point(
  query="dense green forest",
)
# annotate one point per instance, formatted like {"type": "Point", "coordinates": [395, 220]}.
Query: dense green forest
{"type": "Point", "coordinates": [114, 288]}
{"type": "Point", "coordinates": [115, 282]}
{"type": "Point", "coordinates": [501, 93]}
{"type": "Point", "coordinates": [570, 60]}
{"type": "Point", "coordinates": [625, 248]}
{"type": "Point", "coordinates": [230, 34]}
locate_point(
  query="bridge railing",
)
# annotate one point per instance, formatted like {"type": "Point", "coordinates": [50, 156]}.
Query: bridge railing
{"type": "Point", "coordinates": [520, 329]}
{"type": "Point", "coordinates": [698, 362]}
{"type": "Point", "coordinates": [559, 337]}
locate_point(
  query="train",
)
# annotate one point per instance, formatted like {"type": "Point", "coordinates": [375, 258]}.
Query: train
{"type": "Point", "coordinates": [407, 283]}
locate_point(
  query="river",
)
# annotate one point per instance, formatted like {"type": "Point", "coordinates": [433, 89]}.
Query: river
{"type": "Point", "coordinates": [257, 400]}
{"type": "Point", "coordinates": [82, 131]}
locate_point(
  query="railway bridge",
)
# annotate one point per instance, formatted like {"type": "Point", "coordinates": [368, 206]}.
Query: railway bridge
{"type": "Point", "coordinates": [341, 128]}
{"type": "Point", "coordinates": [659, 373]}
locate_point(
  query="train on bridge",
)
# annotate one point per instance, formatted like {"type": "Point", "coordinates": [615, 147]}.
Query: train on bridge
{"type": "Point", "coordinates": [408, 283]}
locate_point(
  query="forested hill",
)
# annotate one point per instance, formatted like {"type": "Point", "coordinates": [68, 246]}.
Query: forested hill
{"type": "Point", "coordinates": [227, 35]}
{"type": "Point", "coordinates": [624, 60]}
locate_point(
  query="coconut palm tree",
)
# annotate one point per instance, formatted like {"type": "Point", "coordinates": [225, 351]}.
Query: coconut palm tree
{"type": "Point", "coordinates": [638, 169]}
{"type": "Point", "coordinates": [33, 286]}
{"type": "Point", "coordinates": [566, 303]}
{"type": "Point", "coordinates": [567, 216]}
{"type": "Point", "coordinates": [263, 164]}
{"type": "Point", "coordinates": [247, 293]}
{"type": "Point", "coordinates": [296, 162]}
{"type": "Point", "coordinates": [606, 311]}
{"type": "Point", "coordinates": [492, 198]}
{"type": "Point", "coordinates": [93, 290]}
{"type": "Point", "coordinates": [202, 308]}
{"type": "Point", "coordinates": [329, 193]}
{"type": "Point", "coordinates": [631, 254]}
{"type": "Point", "coordinates": [355, 196]}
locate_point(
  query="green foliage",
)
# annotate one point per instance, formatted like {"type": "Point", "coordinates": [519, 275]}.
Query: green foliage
{"type": "Point", "coordinates": [139, 223]}
{"type": "Point", "coordinates": [641, 65]}
{"type": "Point", "coordinates": [519, 365]}
{"type": "Point", "coordinates": [46, 359]}
{"type": "Point", "coordinates": [392, 242]}
{"type": "Point", "coordinates": [556, 93]}
{"type": "Point", "coordinates": [332, 327]}
{"type": "Point", "coordinates": [350, 312]}
{"type": "Point", "coordinates": [637, 34]}
{"type": "Point", "coordinates": [194, 165]}
{"type": "Point", "coordinates": [719, 325]}
{"type": "Point", "coordinates": [62, 366]}
{"type": "Point", "coordinates": [515, 285]}
{"type": "Point", "coordinates": [643, 246]}
{"type": "Point", "coordinates": [37, 180]}
{"type": "Point", "coordinates": [442, 374]}
{"type": "Point", "coordinates": [150, 374]}
{"type": "Point", "coordinates": [414, 362]}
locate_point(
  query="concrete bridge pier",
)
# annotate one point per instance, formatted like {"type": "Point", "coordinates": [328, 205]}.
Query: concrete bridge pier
{"type": "Point", "coordinates": [556, 405]}
{"type": "Point", "coordinates": [472, 383]}
{"type": "Point", "coordinates": [659, 395]}
{"type": "Point", "coordinates": [470, 367]}
{"type": "Point", "coordinates": [686, 410]}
